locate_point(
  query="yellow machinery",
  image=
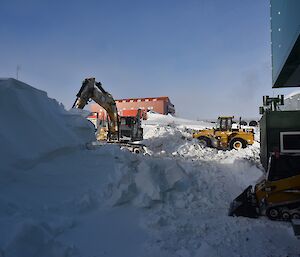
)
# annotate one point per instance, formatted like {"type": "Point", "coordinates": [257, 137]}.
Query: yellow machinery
{"type": "Point", "coordinates": [116, 128]}
{"type": "Point", "coordinates": [91, 89]}
{"type": "Point", "coordinates": [277, 195]}
{"type": "Point", "coordinates": [224, 136]}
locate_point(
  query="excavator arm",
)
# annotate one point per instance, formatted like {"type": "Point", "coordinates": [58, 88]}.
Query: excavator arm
{"type": "Point", "coordinates": [91, 89]}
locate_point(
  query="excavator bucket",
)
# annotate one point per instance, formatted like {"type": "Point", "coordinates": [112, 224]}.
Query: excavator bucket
{"type": "Point", "coordinates": [244, 205]}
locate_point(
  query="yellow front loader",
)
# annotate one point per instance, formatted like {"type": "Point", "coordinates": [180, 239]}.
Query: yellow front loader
{"type": "Point", "coordinates": [224, 136]}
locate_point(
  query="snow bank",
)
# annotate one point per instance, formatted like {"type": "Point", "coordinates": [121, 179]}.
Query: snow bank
{"type": "Point", "coordinates": [145, 182]}
{"type": "Point", "coordinates": [51, 186]}
{"type": "Point", "coordinates": [159, 119]}
{"type": "Point", "coordinates": [33, 125]}
{"type": "Point", "coordinates": [194, 221]}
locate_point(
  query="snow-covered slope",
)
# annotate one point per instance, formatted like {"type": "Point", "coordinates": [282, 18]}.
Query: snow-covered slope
{"type": "Point", "coordinates": [159, 119]}
{"type": "Point", "coordinates": [33, 125]}
{"type": "Point", "coordinates": [110, 202]}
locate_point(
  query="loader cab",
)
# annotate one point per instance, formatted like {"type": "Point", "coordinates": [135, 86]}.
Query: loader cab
{"type": "Point", "coordinates": [224, 123]}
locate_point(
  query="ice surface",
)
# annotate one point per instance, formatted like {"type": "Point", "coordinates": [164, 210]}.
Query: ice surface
{"type": "Point", "coordinates": [59, 199]}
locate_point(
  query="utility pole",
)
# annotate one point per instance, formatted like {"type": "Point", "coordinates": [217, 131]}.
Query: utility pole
{"type": "Point", "coordinates": [18, 69]}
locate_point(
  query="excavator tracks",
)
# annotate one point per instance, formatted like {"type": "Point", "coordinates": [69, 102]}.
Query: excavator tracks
{"type": "Point", "coordinates": [136, 148]}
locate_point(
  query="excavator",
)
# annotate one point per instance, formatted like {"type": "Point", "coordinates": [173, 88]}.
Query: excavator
{"type": "Point", "coordinates": [277, 194]}
{"type": "Point", "coordinates": [121, 130]}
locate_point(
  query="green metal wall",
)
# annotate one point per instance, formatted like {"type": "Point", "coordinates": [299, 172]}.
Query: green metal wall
{"type": "Point", "coordinates": [271, 124]}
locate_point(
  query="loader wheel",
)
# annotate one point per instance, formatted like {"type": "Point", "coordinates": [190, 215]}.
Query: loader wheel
{"type": "Point", "coordinates": [272, 213]}
{"type": "Point", "coordinates": [237, 144]}
{"type": "Point", "coordinates": [204, 141]}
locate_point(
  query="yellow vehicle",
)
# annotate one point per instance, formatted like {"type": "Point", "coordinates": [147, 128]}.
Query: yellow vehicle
{"type": "Point", "coordinates": [116, 128]}
{"type": "Point", "coordinates": [91, 89]}
{"type": "Point", "coordinates": [122, 131]}
{"type": "Point", "coordinates": [277, 195]}
{"type": "Point", "coordinates": [224, 136]}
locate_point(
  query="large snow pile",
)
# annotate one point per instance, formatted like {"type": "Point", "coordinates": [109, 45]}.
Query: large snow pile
{"type": "Point", "coordinates": [169, 120]}
{"type": "Point", "coordinates": [172, 202]}
{"type": "Point", "coordinates": [33, 125]}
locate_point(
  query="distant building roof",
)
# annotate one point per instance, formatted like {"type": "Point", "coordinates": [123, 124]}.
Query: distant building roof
{"type": "Point", "coordinates": [166, 98]}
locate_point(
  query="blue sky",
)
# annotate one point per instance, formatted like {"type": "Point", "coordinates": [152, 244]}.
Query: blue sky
{"type": "Point", "coordinates": [210, 57]}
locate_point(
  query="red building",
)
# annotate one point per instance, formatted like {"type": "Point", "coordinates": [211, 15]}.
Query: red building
{"type": "Point", "coordinates": [129, 107]}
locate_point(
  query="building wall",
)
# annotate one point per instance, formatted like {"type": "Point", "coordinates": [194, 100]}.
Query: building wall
{"type": "Point", "coordinates": [96, 108]}
{"type": "Point", "coordinates": [153, 105]}
{"type": "Point", "coordinates": [129, 107]}
{"type": "Point", "coordinates": [285, 36]}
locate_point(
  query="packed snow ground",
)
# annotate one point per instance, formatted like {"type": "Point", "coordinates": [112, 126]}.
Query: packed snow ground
{"type": "Point", "coordinates": [57, 198]}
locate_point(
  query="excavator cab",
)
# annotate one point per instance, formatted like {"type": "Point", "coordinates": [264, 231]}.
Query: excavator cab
{"type": "Point", "coordinates": [130, 127]}
{"type": "Point", "coordinates": [125, 125]}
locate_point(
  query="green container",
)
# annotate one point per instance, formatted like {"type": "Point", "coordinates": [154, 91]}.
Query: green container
{"type": "Point", "coordinates": [272, 124]}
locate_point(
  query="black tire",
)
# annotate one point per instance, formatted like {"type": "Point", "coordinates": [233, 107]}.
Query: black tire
{"type": "Point", "coordinates": [285, 216]}
{"type": "Point", "coordinates": [273, 213]}
{"type": "Point", "coordinates": [295, 216]}
{"type": "Point", "coordinates": [237, 143]}
{"type": "Point", "coordinates": [253, 123]}
{"type": "Point", "coordinates": [204, 141]}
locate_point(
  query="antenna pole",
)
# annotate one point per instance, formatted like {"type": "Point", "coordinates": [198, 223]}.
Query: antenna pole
{"type": "Point", "coordinates": [18, 69]}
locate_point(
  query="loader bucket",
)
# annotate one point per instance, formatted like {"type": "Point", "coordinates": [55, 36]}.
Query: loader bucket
{"type": "Point", "coordinates": [244, 205]}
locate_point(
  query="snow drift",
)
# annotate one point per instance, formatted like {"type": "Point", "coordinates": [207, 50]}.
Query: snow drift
{"type": "Point", "coordinates": [33, 125]}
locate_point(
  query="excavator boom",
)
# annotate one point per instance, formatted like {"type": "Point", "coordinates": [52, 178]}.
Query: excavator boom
{"type": "Point", "coordinates": [91, 89]}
